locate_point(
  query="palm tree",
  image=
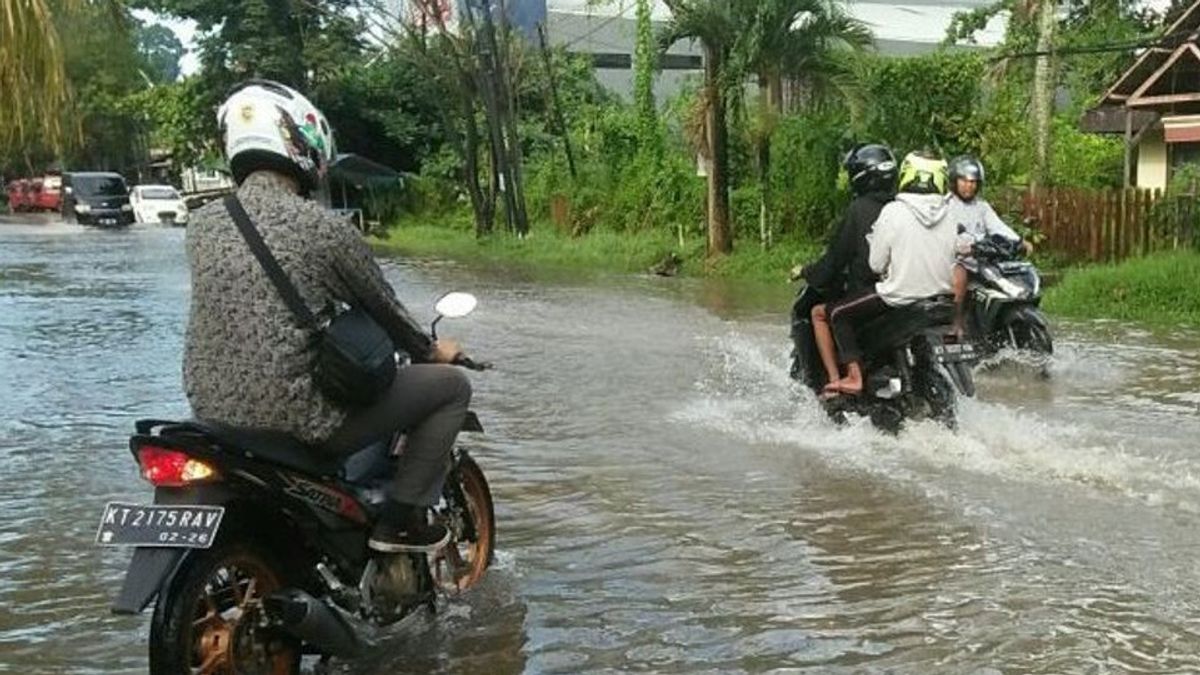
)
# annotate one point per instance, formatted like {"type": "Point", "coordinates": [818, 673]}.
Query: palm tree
{"type": "Point", "coordinates": [713, 23]}
{"type": "Point", "coordinates": [800, 40]}
{"type": "Point", "coordinates": [33, 84]}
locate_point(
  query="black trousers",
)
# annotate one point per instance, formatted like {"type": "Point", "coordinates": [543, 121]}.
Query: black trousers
{"type": "Point", "coordinates": [848, 313]}
{"type": "Point", "coordinates": [429, 402]}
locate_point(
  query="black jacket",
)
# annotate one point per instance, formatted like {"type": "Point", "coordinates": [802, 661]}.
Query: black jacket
{"type": "Point", "coordinates": [844, 268]}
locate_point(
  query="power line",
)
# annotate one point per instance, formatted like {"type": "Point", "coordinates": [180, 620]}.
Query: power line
{"type": "Point", "coordinates": [1100, 48]}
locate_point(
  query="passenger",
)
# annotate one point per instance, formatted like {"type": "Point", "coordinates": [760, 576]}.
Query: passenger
{"type": "Point", "coordinates": [912, 245]}
{"type": "Point", "coordinates": [843, 268]}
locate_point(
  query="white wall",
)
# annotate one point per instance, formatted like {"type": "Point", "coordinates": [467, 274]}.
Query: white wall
{"type": "Point", "coordinates": [1152, 160]}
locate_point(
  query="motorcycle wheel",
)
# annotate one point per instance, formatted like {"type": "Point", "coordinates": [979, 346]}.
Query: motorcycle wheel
{"type": "Point", "coordinates": [208, 620]}
{"type": "Point", "coordinates": [939, 394]}
{"type": "Point", "coordinates": [461, 564]}
{"type": "Point", "coordinates": [1037, 340]}
{"type": "Point", "coordinates": [1031, 336]}
{"type": "Point", "coordinates": [888, 418]}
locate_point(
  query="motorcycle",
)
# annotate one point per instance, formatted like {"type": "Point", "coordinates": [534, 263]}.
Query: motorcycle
{"type": "Point", "coordinates": [255, 552]}
{"type": "Point", "coordinates": [1004, 296]}
{"type": "Point", "coordinates": [912, 364]}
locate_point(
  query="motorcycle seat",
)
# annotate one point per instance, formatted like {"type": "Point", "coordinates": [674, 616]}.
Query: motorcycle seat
{"type": "Point", "coordinates": [273, 446]}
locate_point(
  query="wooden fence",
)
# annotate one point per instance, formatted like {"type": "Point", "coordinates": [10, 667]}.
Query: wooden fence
{"type": "Point", "coordinates": [1104, 225]}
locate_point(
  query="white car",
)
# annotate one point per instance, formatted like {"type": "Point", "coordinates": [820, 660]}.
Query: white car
{"type": "Point", "coordinates": [158, 204]}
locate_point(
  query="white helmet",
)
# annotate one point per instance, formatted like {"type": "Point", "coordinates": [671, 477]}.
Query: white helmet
{"type": "Point", "coordinates": [268, 126]}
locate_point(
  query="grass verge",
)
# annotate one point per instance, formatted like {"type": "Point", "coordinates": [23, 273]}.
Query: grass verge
{"type": "Point", "coordinates": [600, 250]}
{"type": "Point", "coordinates": [1159, 290]}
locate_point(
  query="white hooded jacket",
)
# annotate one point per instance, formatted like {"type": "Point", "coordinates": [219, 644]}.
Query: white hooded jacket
{"type": "Point", "coordinates": [913, 246]}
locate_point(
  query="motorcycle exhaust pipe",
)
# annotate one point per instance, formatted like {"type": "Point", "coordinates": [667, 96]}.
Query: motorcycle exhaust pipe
{"type": "Point", "coordinates": [319, 623]}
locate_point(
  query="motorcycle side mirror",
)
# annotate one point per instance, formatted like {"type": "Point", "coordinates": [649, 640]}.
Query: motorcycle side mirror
{"type": "Point", "coordinates": [456, 305]}
{"type": "Point", "coordinates": [453, 305]}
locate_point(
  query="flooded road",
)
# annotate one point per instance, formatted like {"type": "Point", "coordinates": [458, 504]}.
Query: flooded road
{"type": "Point", "coordinates": [667, 501]}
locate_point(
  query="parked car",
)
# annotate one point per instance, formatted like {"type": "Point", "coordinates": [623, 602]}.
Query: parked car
{"type": "Point", "coordinates": [49, 198]}
{"type": "Point", "coordinates": [158, 204]}
{"type": "Point", "coordinates": [16, 195]}
{"type": "Point", "coordinates": [35, 194]}
{"type": "Point", "coordinates": [96, 198]}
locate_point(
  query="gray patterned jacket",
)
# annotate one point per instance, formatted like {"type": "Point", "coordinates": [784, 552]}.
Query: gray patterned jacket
{"type": "Point", "coordinates": [247, 361]}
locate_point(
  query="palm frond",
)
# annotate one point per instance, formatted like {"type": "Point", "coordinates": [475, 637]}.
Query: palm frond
{"type": "Point", "coordinates": [34, 91]}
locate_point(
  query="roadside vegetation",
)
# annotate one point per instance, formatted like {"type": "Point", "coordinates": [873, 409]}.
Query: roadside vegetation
{"type": "Point", "coordinates": [515, 153]}
{"type": "Point", "coordinates": [1159, 290]}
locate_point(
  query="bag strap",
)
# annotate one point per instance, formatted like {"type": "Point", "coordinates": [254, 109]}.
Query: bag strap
{"type": "Point", "coordinates": [287, 290]}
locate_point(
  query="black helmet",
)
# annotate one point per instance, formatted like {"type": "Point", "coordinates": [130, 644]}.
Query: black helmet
{"type": "Point", "coordinates": [872, 168]}
{"type": "Point", "coordinates": [965, 166]}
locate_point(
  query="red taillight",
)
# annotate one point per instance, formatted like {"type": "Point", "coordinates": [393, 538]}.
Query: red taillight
{"type": "Point", "coordinates": [172, 468]}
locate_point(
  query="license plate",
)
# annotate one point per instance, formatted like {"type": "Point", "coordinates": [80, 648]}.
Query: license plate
{"type": "Point", "coordinates": [954, 353]}
{"type": "Point", "coordinates": [108, 221]}
{"type": "Point", "coordinates": [182, 526]}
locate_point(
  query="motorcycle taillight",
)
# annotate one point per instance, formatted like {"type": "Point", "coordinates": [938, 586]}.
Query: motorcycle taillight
{"type": "Point", "coordinates": [167, 467]}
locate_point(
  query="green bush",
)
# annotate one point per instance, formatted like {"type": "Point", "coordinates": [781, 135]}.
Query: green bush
{"type": "Point", "coordinates": [805, 166]}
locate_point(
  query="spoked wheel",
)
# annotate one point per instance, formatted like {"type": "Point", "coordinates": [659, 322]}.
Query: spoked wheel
{"type": "Point", "coordinates": [211, 621]}
{"type": "Point", "coordinates": [470, 517]}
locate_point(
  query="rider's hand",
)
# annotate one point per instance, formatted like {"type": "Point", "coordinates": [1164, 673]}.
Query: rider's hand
{"type": "Point", "coordinates": [1027, 246]}
{"type": "Point", "coordinates": [444, 351]}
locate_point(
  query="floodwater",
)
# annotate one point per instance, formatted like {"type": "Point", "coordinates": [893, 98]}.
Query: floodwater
{"type": "Point", "coordinates": [667, 500]}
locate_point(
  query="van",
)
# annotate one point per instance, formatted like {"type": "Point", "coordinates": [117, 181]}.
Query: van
{"type": "Point", "coordinates": [96, 198]}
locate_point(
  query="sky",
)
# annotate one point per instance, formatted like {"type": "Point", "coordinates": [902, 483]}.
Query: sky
{"type": "Point", "coordinates": [894, 22]}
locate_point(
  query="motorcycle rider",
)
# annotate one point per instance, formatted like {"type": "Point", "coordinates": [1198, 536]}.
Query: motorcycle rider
{"type": "Point", "coordinates": [974, 219]}
{"type": "Point", "coordinates": [912, 246]}
{"type": "Point", "coordinates": [843, 268]}
{"type": "Point", "coordinates": [247, 360]}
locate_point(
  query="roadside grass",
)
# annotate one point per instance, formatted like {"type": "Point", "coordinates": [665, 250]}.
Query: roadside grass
{"type": "Point", "coordinates": [1159, 290]}
{"type": "Point", "coordinates": [599, 251]}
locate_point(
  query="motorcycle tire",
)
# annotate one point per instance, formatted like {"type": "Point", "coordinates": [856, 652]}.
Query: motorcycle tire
{"type": "Point", "coordinates": [205, 621]}
{"type": "Point", "coordinates": [939, 395]}
{"type": "Point", "coordinates": [888, 418]}
{"type": "Point", "coordinates": [462, 563]}
{"type": "Point", "coordinates": [1038, 340]}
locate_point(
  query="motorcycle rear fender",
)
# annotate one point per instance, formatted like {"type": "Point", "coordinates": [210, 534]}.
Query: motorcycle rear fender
{"type": "Point", "coordinates": [152, 568]}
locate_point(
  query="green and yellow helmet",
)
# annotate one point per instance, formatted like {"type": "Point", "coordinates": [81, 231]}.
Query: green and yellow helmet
{"type": "Point", "coordinates": [922, 173]}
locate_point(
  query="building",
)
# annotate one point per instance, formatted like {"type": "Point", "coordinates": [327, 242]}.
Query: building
{"type": "Point", "coordinates": [606, 32]}
{"type": "Point", "coordinates": [1155, 104]}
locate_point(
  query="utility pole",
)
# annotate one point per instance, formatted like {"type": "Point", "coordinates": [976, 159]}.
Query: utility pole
{"type": "Point", "coordinates": [554, 105]}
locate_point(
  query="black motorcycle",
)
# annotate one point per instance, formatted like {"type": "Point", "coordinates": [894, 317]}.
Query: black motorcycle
{"type": "Point", "coordinates": [255, 547]}
{"type": "Point", "coordinates": [912, 364]}
{"type": "Point", "coordinates": [1004, 296]}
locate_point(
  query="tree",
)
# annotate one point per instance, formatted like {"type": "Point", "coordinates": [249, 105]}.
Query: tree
{"type": "Point", "coordinates": [643, 82]}
{"type": "Point", "coordinates": [1043, 93]}
{"type": "Point", "coordinates": [161, 50]}
{"type": "Point", "coordinates": [800, 40]}
{"type": "Point", "coordinates": [713, 23]}
{"type": "Point", "coordinates": [296, 43]}
{"type": "Point", "coordinates": [33, 79]}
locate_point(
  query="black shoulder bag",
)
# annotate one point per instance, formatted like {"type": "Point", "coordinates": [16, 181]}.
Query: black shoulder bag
{"type": "Point", "coordinates": [356, 359]}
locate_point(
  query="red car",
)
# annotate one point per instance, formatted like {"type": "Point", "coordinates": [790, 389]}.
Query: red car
{"type": "Point", "coordinates": [16, 195]}
{"type": "Point", "coordinates": [35, 194]}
